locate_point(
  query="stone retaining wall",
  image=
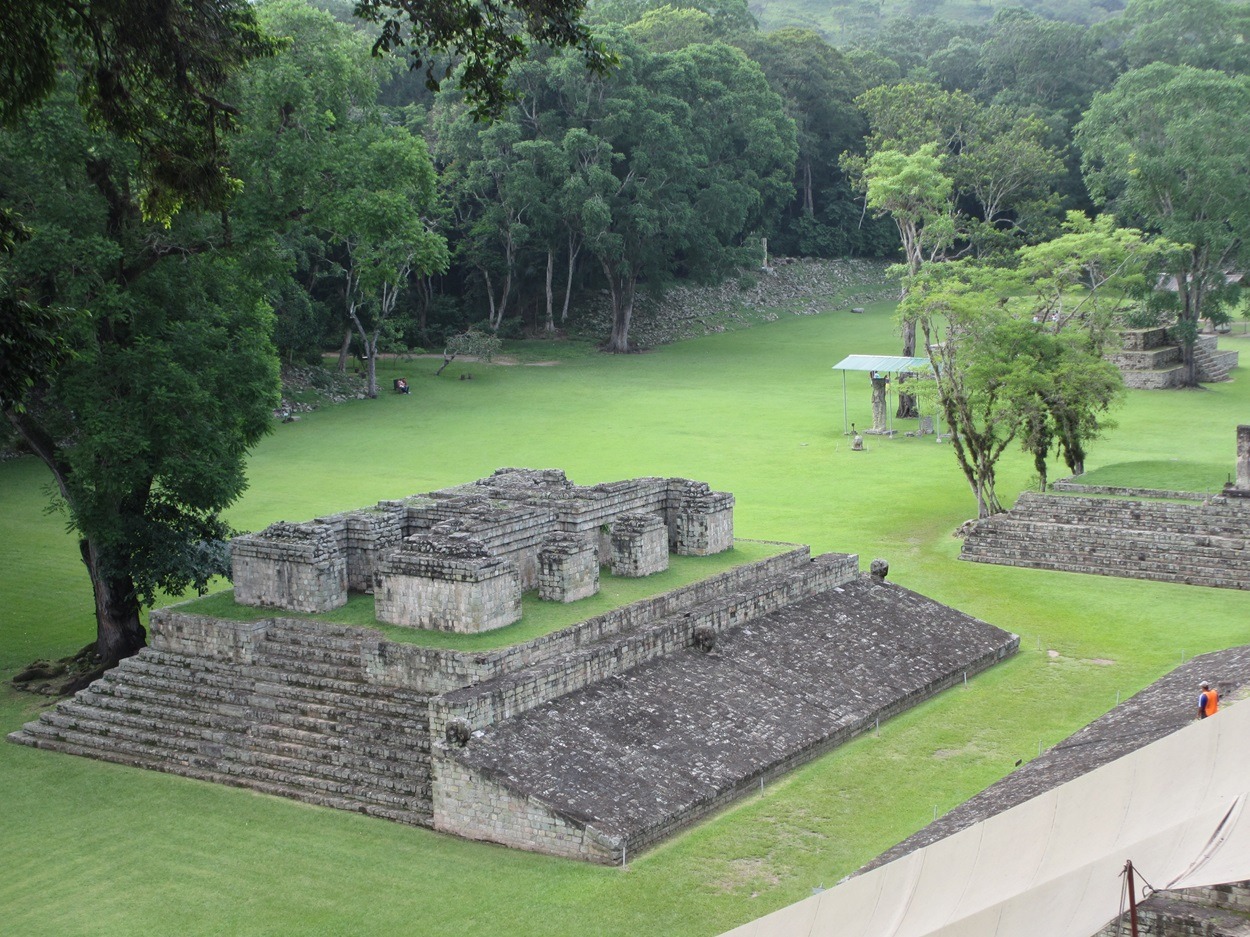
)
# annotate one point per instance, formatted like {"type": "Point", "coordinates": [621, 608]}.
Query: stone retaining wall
{"type": "Point", "coordinates": [1204, 544]}
{"type": "Point", "coordinates": [651, 635]}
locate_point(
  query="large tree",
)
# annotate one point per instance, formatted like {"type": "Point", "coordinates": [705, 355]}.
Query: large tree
{"type": "Point", "coordinates": [171, 375]}
{"type": "Point", "coordinates": [1165, 149]}
{"type": "Point", "coordinates": [483, 39]}
{"type": "Point", "coordinates": [1017, 348]}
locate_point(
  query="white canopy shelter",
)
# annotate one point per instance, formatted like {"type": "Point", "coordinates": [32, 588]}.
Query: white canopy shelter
{"type": "Point", "coordinates": [881, 364]}
{"type": "Point", "coordinates": [1051, 867]}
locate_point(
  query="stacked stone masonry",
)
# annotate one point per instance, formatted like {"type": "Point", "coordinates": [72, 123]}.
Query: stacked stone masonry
{"type": "Point", "coordinates": [1149, 359]}
{"type": "Point", "coordinates": [446, 581]}
{"type": "Point", "coordinates": [714, 687]}
{"type": "Point", "coordinates": [639, 545]}
{"type": "Point", "coordinates": [512, 515]}
{"type": "Point", "coordinates": [300, 567]}
{"type": "Point", "coordinates": [1201, 544]}
{"type": "Point", "coordinates": [568, 568]}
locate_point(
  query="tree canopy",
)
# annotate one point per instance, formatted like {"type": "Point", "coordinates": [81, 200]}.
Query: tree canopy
{"type": "Point", "coordinates": [1165, 149]}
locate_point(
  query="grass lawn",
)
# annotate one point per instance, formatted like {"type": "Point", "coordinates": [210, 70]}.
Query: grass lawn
{"type": "Point", "coordinates": [99, 849]}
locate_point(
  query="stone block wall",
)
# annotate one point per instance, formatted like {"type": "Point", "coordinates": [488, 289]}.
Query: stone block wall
{"type": "Point", "coordinates": [568, 569]}
{"type": "Point", "coordinates": [364, 537]}
{"type": "Point", "coordinates": [511, 513]}
{"type": "Point", "coordinates": [201, 636]}
{"type": "Point", "coordinates": [470, 805]}
{"type": "Point", "coordinates": [639, 545]}
{"type": "Point", "coordinates": [700, 521]}
{"type": "Point", "coordinates": [293, 566]}
{"type": "Point", "coordinates": [643, 632]}
{"type": "Point", "coordinates": [1220, 911]}
{"type": "Point", "coordinates": [447, 581]}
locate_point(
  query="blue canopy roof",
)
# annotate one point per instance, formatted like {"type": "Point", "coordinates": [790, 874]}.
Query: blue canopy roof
{"type": "Point", "coordinates": [889, 363]}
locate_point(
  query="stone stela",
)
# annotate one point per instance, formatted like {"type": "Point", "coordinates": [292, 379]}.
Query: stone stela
{"type": "Point", "coordinates": [458, 559]}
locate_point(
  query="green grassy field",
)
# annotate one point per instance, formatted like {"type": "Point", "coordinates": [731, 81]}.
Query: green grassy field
{"type": "Point", "coordinates": [99, 849]}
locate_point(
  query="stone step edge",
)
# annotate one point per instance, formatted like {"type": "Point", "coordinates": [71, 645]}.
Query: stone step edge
{"type": "Point", "coordinates": [418, 817]}
{"type": "Point", "coordinates": [244, 755]}
{"type": "Point", "coordinates": [172, 760]}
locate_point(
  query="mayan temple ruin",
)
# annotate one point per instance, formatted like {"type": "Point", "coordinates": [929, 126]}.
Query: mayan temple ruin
{"type": "Point", "coordinates": [591, 742]}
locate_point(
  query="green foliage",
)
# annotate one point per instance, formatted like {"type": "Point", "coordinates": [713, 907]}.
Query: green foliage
{"type": "Point", "coordinates": [490, 41]}
{"type": "Point", "coordinates": [151, 72]}
{"type": "Point", "coordinates": [169, 376]}
{"type": "Point", "coordinates": [1201, 33]}
{"type": "Point", "coordinates": [735, 409]}
{"type": "Point", "coordinates": [1017, 351]}
{"type": "Point", "coordinates": [1139, 157]}
{"type": "Point", "coordinates": [481, 345]}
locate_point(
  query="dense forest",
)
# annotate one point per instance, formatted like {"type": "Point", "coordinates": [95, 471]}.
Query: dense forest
{"type": "Point", "coordinates": [191, 191]}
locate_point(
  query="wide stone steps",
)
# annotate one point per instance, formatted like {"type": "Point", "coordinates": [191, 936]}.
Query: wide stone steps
{"type": "Point", "coordinates": [238, 684]}
{"type": "Point", "coordinates": [376, 742]}
{"type": "Point", "coordinates": [300, 715]}
{"type": "Point", "coordinates": [1109, 566]}
{"type": "Point", "coordinates": [405, 808]}
{"type": "Point", "coordinates": [1195, 548]}
{"type": "Point", "coordinates": [316, 736]}
{"type": "Point", "coordinates": [331, 759]}
{"type": "Point", "coordinates": [1201, 544]}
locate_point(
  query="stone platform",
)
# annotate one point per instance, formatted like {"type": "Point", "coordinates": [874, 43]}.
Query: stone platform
{"type": "Point", "coordinates": [592, 742]}
{"type": "Point", "coordinates": [617, 766]}
{"type": "Point", "coordinates": [1199, 544]}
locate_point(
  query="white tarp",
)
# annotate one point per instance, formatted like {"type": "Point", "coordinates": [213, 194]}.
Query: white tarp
{"type": "Point", "coordinates": [1052, 866]}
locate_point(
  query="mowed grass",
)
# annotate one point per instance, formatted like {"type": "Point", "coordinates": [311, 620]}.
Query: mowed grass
{"type": "Point", "coordinates": [98, 849]}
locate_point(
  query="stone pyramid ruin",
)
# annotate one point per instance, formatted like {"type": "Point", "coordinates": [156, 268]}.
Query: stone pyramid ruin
{"type": "Point", "coordinates": [592, 742]}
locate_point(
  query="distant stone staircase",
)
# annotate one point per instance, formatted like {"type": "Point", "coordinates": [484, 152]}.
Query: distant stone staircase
{"type": "Point", "coordinates": [1149, 359]}
{"type": "Point", "coordinates": [1213, 365]}
{"type": "Point", "coordinates": [1199, 544]}
{"type": "Point", "coordinates": [300, 722]}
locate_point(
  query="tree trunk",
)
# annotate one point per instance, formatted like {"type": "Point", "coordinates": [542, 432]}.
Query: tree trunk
{"type": "Point", "coordinates": [343, 350]}
{"type": "Point", "coordinates": [575, 248]}
{"type": "Point", "coordinates": [119, 633]}
{"type": "Point", "coordinates": [550, 325]}
{"type": "Point", "coordinates": [622, 311]}
{"type": "Point", "coordinates": [809, 202]}
{"type": "Point", "coordinates": [907, 409]}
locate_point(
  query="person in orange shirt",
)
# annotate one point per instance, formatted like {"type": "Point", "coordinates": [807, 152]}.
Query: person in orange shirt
{"type": "Point", "coordinates": [1208, 701]}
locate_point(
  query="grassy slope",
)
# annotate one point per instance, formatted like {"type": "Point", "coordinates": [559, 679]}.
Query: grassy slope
{"type": "Point", "coordinates": [100, 849]}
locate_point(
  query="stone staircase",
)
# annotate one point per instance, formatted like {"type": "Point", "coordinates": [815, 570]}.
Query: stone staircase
{"type": "Point", "coordinates": [1150, 360]}
{"type": "Point", "coordinates": [299, 722]}
{"type": "Point", "coordinates": [1213, 365]}
{"type": "Point", "coordinates": [1199, 544]}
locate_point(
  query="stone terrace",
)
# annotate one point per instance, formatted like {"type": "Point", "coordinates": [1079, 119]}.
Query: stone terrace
{"type": "Point", "coordinates": [611, 769]}
{"type": "Point", "coordinates": [652, 714]}
{"type": "Point", "coordinates": [1199, 544]}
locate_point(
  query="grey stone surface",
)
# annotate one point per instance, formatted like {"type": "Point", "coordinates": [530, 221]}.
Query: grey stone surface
{"type": "Point", "coordinates": [568, 568]}
{"type": "Point", "coordinates": [1201, 544]}
{"type": "Point", "coordinates": [640, 754]}
{"type": "Point", "coordinates": [511, 514]}
{"type": "Point", "coordinates": [639, 545]}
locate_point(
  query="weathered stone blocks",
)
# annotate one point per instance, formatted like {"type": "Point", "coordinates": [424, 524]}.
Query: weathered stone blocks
{"type": "Point", "coordinates": [568, 568]}
{"type": "Point", "coordinates": [299, 567]}
{"type": "Point", "coordinates": [447, 581]}
{"type": "Point", "coordinates": [701, 520]}
{"type": "Point", "coordinates": [639, 545]}
{"type": "Point", "coordinates": [512, 514]}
